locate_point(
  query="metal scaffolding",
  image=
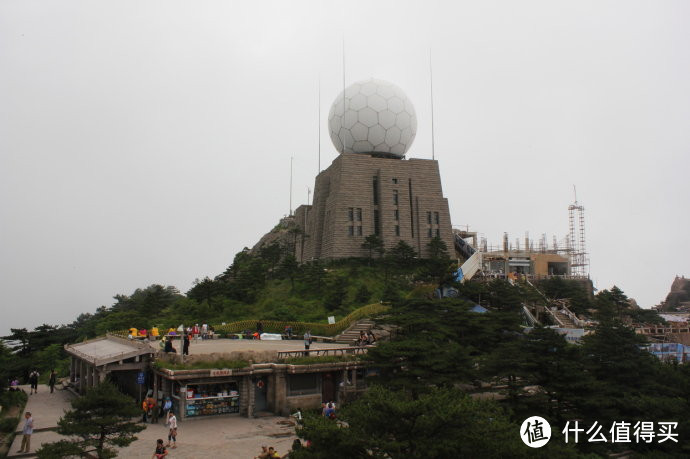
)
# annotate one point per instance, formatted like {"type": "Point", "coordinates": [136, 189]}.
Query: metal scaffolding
{"type": "Point", "coordinates": [579, 262]}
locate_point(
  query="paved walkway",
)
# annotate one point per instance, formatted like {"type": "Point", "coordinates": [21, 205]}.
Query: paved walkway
{"type": "Point", "coordinates": [224, 436]}
{"type": "Point", "coordinates": [228, 436]}
{"type": "Point", "coordinates": [46, 409]}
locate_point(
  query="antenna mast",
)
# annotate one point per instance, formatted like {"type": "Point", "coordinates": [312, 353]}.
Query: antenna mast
{"type": "Point", "coordinates": [318, 125]}
{"type": "Point", "coordinates": [343, 118]}
{"type": "Point", "coordinates": [291, 185]}
{"type": "Point", "coordinates": [431, 88]}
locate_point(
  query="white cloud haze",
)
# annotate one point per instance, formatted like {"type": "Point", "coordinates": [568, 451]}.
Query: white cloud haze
{"type": "Point", "coordinates": [149, 141]}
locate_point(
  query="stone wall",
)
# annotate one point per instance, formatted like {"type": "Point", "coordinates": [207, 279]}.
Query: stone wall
{"type": "Point", "coordinates": [345, 191]}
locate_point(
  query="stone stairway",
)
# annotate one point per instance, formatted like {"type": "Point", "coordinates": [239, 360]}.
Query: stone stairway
{"type": "Point", "coordinates": [565, 320]}
{"type": "Point", "coordinates": [351, 334]}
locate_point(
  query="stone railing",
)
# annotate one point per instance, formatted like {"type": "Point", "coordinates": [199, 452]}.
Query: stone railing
{"type": "Point", "coordinates": [339, 351]}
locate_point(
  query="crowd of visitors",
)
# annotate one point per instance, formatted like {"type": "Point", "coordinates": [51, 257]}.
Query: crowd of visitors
{"type": "Point", "coordinates": [33, 382]}
{"type": "Point", "coordinates": [365, 339]}
{"type": "Point", "coordinates": [148, 406]}
{"type": "Point", "coordinates": [271, 453]}
{"type": "Point", "coordinates": [171, 423]}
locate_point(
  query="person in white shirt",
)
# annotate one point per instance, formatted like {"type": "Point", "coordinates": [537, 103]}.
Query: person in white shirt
{"type": "Point", "coordinates": [26, 433]}
{"type": "Point", "coordinates": [172, 433]}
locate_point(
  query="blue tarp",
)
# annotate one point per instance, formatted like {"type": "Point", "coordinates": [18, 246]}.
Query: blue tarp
{"type": "Point", "coordinates": [669, 351]}
{"type": "Point", "coordinates": [479, 309]}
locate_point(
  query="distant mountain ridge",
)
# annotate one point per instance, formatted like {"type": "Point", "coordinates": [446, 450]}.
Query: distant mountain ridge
{"type": "Point", "coordinates": [678, 299]}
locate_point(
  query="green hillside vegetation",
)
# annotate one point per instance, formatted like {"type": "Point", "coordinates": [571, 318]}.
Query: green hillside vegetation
{"type": "Point", "coordinates": [268, 286]}
{"type": "Point", "coordinates": [455, 383]}
{"type": "Point", "coordinates": [258, 287]}
{"type": "Point", "coordinates": [442, 353]}
{"type": "Point", "coordinates": [271, 286]}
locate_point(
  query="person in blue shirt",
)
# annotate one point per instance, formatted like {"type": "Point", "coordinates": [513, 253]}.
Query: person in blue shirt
{"type": "Point", "coordinates": [329, 413]}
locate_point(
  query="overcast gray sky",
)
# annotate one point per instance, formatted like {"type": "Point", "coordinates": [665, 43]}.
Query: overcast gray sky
{"type": "Point", "coordinates": [149, 141]}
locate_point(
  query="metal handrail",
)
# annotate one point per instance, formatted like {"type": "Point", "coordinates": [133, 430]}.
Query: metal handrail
{"type": "Point", "coordinates": [529, 316]}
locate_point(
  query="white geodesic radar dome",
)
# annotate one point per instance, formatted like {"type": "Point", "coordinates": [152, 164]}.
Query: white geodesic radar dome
{"type": "Point", "coordinates": [377, 118]}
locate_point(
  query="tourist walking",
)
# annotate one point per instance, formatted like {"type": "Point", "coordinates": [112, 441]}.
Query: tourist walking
{"type": "Point", "coordinates": [160, 450]}
{"type": "Point", "coordinates": [26, 433]}
{"type": "Point", "coordinates": [145, 409]}
{"type": "Point", "coordinates": [52, 380]}
{"type": "Point", "coordinates": [151, 405]}
{"type": "Point", "coordinates": [33, 380]}
{"type": "Point", "coordinates": [307, 342]}
{"type": "Point", "coordinates": [155, 408]}
{"type": "Point", "coordinates": [172, 433]}
{"type": "Point", "coordinates": [167, 407]}
{"type": "Point", "coordinates": [185, 345]}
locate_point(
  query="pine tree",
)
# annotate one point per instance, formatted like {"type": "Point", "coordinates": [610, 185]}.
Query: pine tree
{"type": "Point", "coordinates": [363, 294]}
{"type": "Point", "coordinates": [289, 268]}
{"type": "Point", "coordinates": [403, 254]}
{"type": "Point", "coordinates": [373, 243]}
{"type": "Point", "coordinates": [392, 424]}
{"type": "Point", "coordinates": [337, 293]}
{"type": "Point", "coordinates": [102, 417]}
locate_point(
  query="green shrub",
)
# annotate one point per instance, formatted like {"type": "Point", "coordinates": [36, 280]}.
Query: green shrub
{"type": "Point", "coordinates": [8, 424]}
{"type": "Point", "coordinates": [278, 326]}
{"type": "Point", "coordinates": [220, 364]}
{"type": "Point", "coordinates": [13, 398]}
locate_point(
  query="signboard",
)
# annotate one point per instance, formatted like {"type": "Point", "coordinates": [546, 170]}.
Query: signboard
{"type": "Point", "coordinates": [331, 320]}
{"type": "Point", "coordinates": [572, 335]}
{"type": "Point", "coordinates": [223, 372]}
{"type": "Point", "coordinates": [141, 378]}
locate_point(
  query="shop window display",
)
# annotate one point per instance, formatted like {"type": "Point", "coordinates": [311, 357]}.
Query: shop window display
{"type": "Point", "coordinates": [212, 399]}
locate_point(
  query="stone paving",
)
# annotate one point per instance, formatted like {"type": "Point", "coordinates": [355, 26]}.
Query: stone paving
{"type": "Point", "coordinates": [224, 436]}
{"type": "Point", "coordinates": [209, 346]}
{"type": "Point", "coordinates": [228, 436]}
{"type": "Point", "coordinates": [46, 409]}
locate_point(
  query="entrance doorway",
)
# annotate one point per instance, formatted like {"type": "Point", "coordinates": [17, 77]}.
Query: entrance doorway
{"type": "Point", "coordinates": [328, 387]}
{"type": "Point", "coordinates": [261, 394]}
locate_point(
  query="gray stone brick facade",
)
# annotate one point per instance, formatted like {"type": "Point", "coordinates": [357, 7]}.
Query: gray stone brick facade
{"type": "Point", "coordinates": [359, 195]}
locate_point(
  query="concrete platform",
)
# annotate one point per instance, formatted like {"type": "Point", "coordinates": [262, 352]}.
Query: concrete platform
{"type": "Point", "coordinates": [210, 346]}
{"type": "Point", "coordinates": [224, 436]}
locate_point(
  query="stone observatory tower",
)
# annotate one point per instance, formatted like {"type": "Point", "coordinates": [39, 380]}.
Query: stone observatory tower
{"type": "Point", "coordinates": [370, 188]}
